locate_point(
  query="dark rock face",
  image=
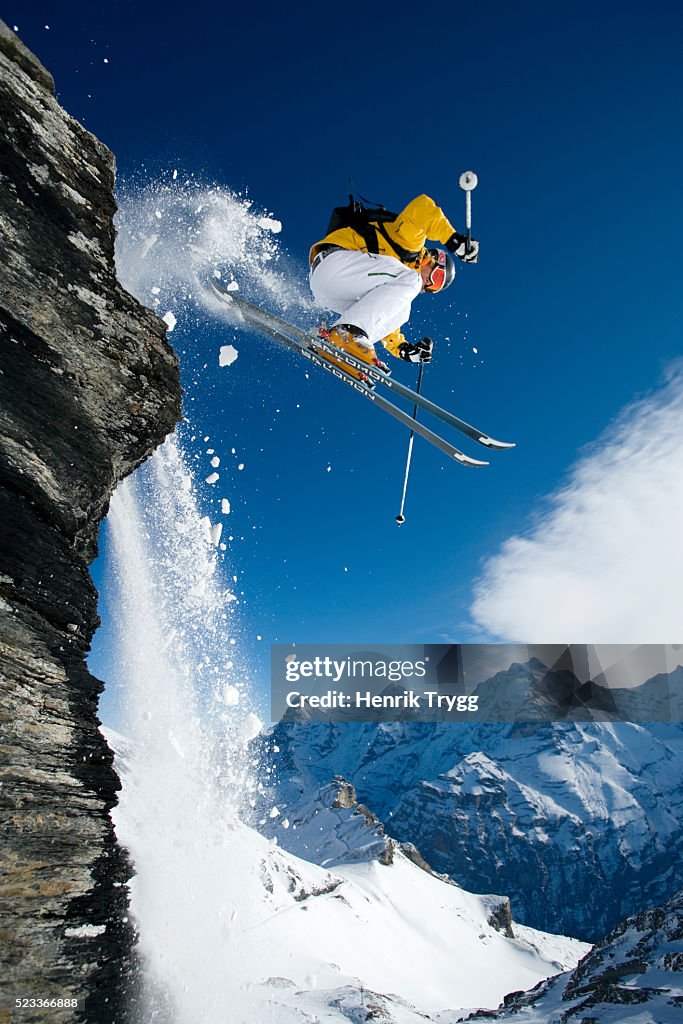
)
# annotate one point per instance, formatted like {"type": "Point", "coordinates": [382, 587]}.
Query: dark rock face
{"type": "Point", "coordinates": [88, 388]}
{"type": "Point", "coordinates": [500, 917]}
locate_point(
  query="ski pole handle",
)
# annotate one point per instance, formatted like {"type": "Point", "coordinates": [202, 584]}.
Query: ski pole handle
{"type": "Point", "coordinates": [468, 181]}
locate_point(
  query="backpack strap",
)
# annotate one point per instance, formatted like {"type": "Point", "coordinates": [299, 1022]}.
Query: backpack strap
{"type": "Point", "coordinates": [369, 224]}
{"type": "Point", "coordinates": [366, 230]}
{"type": "Point", "coordinates": [405, 255]}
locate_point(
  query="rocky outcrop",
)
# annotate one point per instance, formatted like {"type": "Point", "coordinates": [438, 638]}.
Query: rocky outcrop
{"type": "Point", "coordinates": [327, 826]}
{"type": "Point", "coordinates": [632, 974]}
{"type": "Point", "coordinates": [346, 796]}
{"type": "Point", "coordinates": [500, 916]}
{"type": "Point", "coordinates": [88, 388]}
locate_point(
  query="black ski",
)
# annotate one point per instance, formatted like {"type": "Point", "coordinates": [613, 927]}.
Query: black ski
{"type": "Point", "coordinates": [261, 318]}
{"type": "Point", "coordinates": [264, 322]}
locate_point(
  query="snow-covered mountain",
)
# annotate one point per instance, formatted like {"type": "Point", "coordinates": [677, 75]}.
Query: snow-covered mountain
{"type": "Point", "coordinates": [634, 975]}
{"type": "Point", "coordinates": [284, 939]}
{"type": "Point", "coordinates": [591, 808]}
{"type": "Point", "coordinates": [327, 827]}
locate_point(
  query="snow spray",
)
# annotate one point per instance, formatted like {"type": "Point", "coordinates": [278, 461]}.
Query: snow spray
{"type": "Point", "coordinates": [186, 772]}
{"type": "Point", "coordinates": [174, 236]}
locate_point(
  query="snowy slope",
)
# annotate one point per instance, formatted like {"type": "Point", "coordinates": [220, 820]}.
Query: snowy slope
{"type": "Point", "coordinates": [634, 975]}
{"type": "Point", "coordinates": [276, 937]}
{"type": "Point", "coordinates": [395, 927]}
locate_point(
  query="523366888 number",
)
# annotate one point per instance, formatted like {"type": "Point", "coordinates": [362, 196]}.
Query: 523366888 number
{"type": "Point", "coordinates": [36, 1002]}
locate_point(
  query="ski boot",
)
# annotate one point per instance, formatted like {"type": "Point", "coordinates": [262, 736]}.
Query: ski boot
{"type": "Point", "coordinates": [349, 339]}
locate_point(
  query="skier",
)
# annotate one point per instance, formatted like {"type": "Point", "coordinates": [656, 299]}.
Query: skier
{"type": "Point", "coordinates": [371, 268]}
{"type": "Point", "coordinates": [364, 269]}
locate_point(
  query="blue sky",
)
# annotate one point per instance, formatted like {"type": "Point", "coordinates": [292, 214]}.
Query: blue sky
{"type": "Point", "coordinates": [569, 114]}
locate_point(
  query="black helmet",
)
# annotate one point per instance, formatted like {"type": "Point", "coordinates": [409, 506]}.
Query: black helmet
{"type": "Point", "coordinates": [443, 270]}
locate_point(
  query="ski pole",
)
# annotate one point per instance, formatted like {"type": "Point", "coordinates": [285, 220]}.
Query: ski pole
{"type": "Point", "coordinates": [468, 182]}
{"type": "Point", "coordinates": [400, 518]}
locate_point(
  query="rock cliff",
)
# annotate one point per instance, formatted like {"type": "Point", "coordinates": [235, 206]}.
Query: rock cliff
{"type": "Point", "coordinates": [88, 388]}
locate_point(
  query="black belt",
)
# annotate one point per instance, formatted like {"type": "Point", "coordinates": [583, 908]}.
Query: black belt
{"type": "Point", "coordinates": [322, 253]}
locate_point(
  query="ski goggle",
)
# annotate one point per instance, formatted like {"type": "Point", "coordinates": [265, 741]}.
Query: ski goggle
{"type": "Point", "coordinates": [437, 277]}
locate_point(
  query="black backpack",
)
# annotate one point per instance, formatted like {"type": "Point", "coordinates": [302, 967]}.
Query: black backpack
{"type": "Point", "coordinates": [368, 223]}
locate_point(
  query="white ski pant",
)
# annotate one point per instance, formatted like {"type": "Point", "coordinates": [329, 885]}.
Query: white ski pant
{"type": "Point", "coordinates": [371, 292]}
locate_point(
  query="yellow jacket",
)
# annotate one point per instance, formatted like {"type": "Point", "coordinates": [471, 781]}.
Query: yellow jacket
{"type": "Point", "coordinates": [422, 219]}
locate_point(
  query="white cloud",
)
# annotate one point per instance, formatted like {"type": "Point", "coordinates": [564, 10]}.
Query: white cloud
{"type": "Point", "coordinates": [603, 562]}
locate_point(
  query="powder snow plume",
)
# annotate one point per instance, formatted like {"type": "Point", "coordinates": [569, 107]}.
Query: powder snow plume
{"type": "Point", "coordinates": [187, 713]}
{"type": "Point", "coordinates": [174, 236]}
{"type": "Point", "coordinates": [187, 773]}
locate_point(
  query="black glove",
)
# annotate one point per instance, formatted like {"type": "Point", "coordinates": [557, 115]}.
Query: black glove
{"type": "Point", "coordinates": [421, 352]}
{"type": "Point", "coordinates": [468, 252]}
